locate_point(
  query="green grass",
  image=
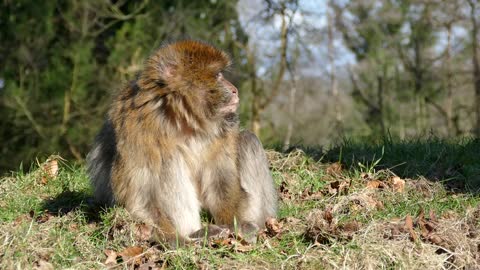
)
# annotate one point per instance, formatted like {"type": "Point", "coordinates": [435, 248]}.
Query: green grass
{"type": "Point", "coordinates": [454, 162]}
{"type": "Point", "coordinates": [49, 221]}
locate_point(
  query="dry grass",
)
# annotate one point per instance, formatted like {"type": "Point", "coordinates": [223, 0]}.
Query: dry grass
{"type": "Point", "coordinates": [330, 218]}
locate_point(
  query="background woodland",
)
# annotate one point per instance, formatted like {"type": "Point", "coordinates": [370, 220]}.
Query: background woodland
{"type": "Point", "coordinates": [308, 72]}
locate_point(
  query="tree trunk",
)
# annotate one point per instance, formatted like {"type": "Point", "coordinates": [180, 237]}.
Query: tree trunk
{"type": "Point", "coordinates": [449, 101]}
{"type": "Point", "coordinates": [291, 112]}
{"type": "Point", "coordinates": [333, 78]}
{"type": "Point", "coordinates": [476, 64]}
{"type": "Point", "coordinates": [255, 123]}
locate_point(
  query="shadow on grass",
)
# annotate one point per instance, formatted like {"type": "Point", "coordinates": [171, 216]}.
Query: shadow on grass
{"type": "Point", "coordinates": [455, 163]}
{"type": "Point", "coordinates": [69, 201]}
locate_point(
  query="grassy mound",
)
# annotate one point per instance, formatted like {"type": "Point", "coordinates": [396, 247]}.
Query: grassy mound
{"type": "Point", "coordinates": [370, 210]}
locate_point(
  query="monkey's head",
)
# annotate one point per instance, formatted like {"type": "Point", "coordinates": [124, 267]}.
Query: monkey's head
{"type": "Point", "coordinates": [189, 74]}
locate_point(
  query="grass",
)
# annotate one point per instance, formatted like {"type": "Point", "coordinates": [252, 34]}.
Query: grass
{"type": "Point", "coordinates": [389, 205]}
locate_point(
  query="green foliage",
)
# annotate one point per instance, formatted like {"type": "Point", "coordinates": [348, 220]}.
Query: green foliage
{"type": "Point", "coordinates": [61, 61]}
{"type": "Point", "coordinates": [452, 162]}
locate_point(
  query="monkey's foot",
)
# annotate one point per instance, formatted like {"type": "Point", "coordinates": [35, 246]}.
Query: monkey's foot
{"type": "Point", "coordinates": [211, 231]}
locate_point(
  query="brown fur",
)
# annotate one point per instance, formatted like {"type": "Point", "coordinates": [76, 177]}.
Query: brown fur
{"type": "Point", "coordinates": [171, 146]}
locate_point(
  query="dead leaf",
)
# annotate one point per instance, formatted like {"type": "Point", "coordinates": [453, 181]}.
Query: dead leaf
{"type": "Point", "coordinates": [51, 168]}
{"type": "Point", "coordinates": [305, 193]}
{"type": "Point", "coordinates": [284, 191]}
{"type": "Point", "coordinates": [393, 232]}
{"type": "Point", "coordinates": [292, 220]}
{"type": "Point", "coordinates": [432, 215]}
{"type": "Point", "coordinates": [435, 239]}
{"type": "Point", "coordinates": [143, 232]}
{"type": "Point", "coordinates": [398, 184]}
{"type": "Point", "coordinates": [131, 252]}
{"type": "Point", "coordinates": [366, 176]}
{"type": "Point", "coordinates": [409, 227]}
{"type": "Point", "coordinates": [111, 257]}
{"type": "Point", "coordinates": [379, 205]}
{"type": "Point", "coordinates": [239, 247]}
{"type": "Point", "coordinates": [338, 187]}
{"type": "Point", "coordinates": [44, 180]}
{"type": "Point", "coordinates": [273, 226]}
{"type": "Point", "coordinates": [44, 217]}
{"type": "Point", "coordinates": [343, 188]}
{"type": "Point", "coordinates": [450, 215]}
{"type": "Point", "coordinates": [221, 242]}
{"type": "Point", "coordinates": [73, 227]}
{"type": "Point", "coordinates": [328, 216]}
{"type": "Point", "coordinates": [334, 168]}
{"type": "Point", "coordinates": [22, 218]}
{"type": "Point", "coordinates": [149, 266]}
{"type": "Point", "coordinates": [350, 227]}
{"type": "Point", "coordinates": [43, 265]}
{"type": "Point", "coordinates": [374, 184]}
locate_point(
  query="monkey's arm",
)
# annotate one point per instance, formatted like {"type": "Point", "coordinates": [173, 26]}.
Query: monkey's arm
{"type": "Point", "coordinates": [256, 180]}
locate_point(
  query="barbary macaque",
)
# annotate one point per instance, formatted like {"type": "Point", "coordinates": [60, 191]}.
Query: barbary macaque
{"type": "Point", "coordinates": [171, 146]}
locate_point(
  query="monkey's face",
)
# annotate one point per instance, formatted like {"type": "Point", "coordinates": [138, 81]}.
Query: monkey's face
{"type": "Point", "coordinates": [228, 95]}
{"type": "Point", "coordinates": [189, 74]}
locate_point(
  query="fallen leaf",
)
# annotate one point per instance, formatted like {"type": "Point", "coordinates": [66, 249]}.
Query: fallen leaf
{"type": "Point", "coordinates": [239, 247]}
{"type": "Point", "coordinates": [284, 191]}
{"type": "Point", "coordinates": [450, 215]}
{"type": "Point", "coordinates": [409, 227]}
{"type": "Point", "coordinates": [398, 184]}
{"type": "Point", "coordinates": [46, 216]}
{"type": "Point", "coordinates": [143, 232]}
{"type": "Point", "coordinates": [149, 266]}
{"type": "Point", "coordinates": [328, 216]}
{"type": "Point", "coordinates": [343, 188]}
{"type": "Point", "coordinates": [273, 226]}
{"type": "Point", "coordinates": [44, 180]}
{"type": "Point", "coordinates": [43, 265]}
{"type": "Point", "coordinates": [131, 252]}
{"type": "Point", "coordinates": [432, 215]}
{"type": "Point", "coordinates": [435, 239]}
{"type": "Point", "coordinates": [111, 257]}
{"type": "Point", "coordinates": [221, 242]}
{"type": "Point", "coordinates": [292, 220]}
{"type": "Point", "coordinates": [21, 219]}
{"type": "Point", "coordinates": [51, 168]}
{"type": "Point", "coordinates": [374, 184]}
{"type": "Point", "coordinates": [379, 205]}
{"type": "Point", "coordinates": [305, 193]}
{"type": "Point", "coordinates": [73, 227]}
{"type": "Point", "coordinates": [394, 232]}
{"type": "Point", "coordinates": [350, 227]}
{"type": "Point", "coordinates": [366, 175]}
{"type": "Point", "coordinates": [334, 168]}
{"type": "Point", "coordinates": [338, 187]}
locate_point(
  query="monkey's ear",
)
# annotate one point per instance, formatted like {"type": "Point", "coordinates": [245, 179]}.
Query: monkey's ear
{"type": "Point", "coordinates": [156, 75]}
{"type": "Point", "coordinates": [165, 73]}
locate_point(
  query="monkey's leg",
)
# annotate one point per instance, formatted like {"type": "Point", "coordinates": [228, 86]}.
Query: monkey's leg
{"type": "Point", "coordinates": [164, 197]}
{"type": "Point", "coordinates": [245, 193]}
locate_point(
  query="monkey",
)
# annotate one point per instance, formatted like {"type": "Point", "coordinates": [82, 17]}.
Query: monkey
{"type": "Point", "coordinates": [171, 147]}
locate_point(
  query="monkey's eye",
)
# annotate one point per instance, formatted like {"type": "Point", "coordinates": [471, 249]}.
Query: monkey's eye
{"type": "Point", "coordinates": [212, 91]}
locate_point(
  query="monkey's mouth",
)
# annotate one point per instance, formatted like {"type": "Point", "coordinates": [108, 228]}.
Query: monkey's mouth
{"type": "Point", "coordinates": [230, 107]}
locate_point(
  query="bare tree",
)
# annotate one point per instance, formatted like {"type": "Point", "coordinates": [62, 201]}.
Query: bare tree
{"type": "Point", "coordinates": [331, 60]}
{"type": "Point", "coordinates": [475, 61]}
{"type": "Point", "coordinates": [291, 106]}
